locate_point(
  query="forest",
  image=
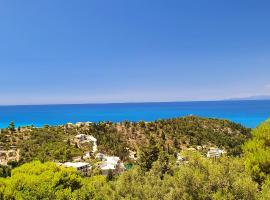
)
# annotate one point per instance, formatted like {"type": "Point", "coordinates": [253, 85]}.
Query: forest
{"type": "Point", "coordinates": [243, 173]}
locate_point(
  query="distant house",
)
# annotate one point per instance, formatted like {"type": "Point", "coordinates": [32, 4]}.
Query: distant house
{"type": "Point", "coordinates": [112, 159]}
{"type": "Point", "coordinates": [215, 153]}
{"type": "Point", "coordinates": [83, 124]}
{"type": "Point", "coordinates": [112, 163]}
{"type": "Point", "coordinates": [106, 167]}
{"type": "Point", "coordinates": [82, 138]}
{"type": "Point", "coordinates": [82, 167]}
{"type": "Point", "coordinates": [88, 123]}
{"type": "Point", "coordinates": [180, 159]}
{"type": "Point", "coordinates": [79, 124]}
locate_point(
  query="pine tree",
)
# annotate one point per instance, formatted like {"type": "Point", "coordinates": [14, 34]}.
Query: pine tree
{"type": "Point", "coordinates": [11, 127]}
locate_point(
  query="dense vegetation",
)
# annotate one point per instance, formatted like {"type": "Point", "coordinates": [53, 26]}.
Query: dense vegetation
{"type": "Point", "coordinates": [198, 179]}
{"type": "Point", "coordinates": [172, 135]}
{"type": "Point", "coordinates": [180, 133]}
{"type": "Point", "coordinates": [169, 136]}
{"type": "Point", "coordinates": [257, 153]}
{"type": "Point", "coordinates": [242, 174]}
{"type": "Point", "coordinates": [47, 144]}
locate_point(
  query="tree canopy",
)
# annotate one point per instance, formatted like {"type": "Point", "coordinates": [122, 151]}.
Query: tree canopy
{"type": "Point", "coordinates": [157, 174]}
{"type": "Point", "coordinates": [257, 152]}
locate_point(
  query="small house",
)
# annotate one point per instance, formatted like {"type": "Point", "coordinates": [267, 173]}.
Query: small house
{"type": "Point", "coordinates": [112, 163]}
{"type": "Point", "coordinates": [81, 167]}
{"type": "Point", "coordinates": [215, 153]}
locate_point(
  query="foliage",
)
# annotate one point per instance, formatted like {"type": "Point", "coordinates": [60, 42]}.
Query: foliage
{"type": "Point", "coordinates": [257, 152]}
{"type": "Point", "coordinates": [11, 127]}
{"type": "Point", "coordinates": [5, 171]}
{"type": "Point", "coordinates": [178, 133]}
{"type": "Point", "coordinates": [108, 139]}
{"type": "Point", "coordinates": [148, 155]}
{"type": "Point", "coordinates": [47, 144]}
{"type": "Point", "coordinates": [198, 179]}
{"type": "Point", "coordinates": [156, 175]}
{"type": "Point", "coordinates": [48, 181]}
{"type": "Point", "coordinates": [170, 135]}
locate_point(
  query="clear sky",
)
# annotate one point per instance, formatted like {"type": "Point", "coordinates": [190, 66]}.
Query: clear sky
{"type": "Point", "coordinates": [84, 51]}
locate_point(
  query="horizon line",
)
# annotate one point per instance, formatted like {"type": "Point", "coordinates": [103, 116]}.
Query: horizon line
{"type": "Point", "coordinates": [129, 102]}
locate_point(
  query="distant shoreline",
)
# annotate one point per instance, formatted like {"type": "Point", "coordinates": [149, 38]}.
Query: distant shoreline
{"type": "Point", "coordinates": [249, 113]}
{"type": "Point", "coordinates": [146, 102]}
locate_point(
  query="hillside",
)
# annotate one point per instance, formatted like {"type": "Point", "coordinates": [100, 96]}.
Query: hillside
{"type": "Point", "coordinates": [172, 135]}
{"type": "Point", "coordinates": [181, 133]}
{"type": "Point", "coordinates": [171, 163]}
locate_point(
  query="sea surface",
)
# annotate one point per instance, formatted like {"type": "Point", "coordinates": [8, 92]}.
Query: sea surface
{"type": "Point", "coordinates": [248, 113]}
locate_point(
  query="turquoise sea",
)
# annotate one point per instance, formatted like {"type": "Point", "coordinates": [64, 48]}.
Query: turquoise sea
{"type": "Point", "coordinates": [248, 113]}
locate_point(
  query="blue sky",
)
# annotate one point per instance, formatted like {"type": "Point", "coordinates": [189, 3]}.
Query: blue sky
{"type": "Point", "coordinates": [84, 51]}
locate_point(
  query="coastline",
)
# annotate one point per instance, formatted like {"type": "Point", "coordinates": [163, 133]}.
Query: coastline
{"type": "Point", "coordinates": [249, 113]}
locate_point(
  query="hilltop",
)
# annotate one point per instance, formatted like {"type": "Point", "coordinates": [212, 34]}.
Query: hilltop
{"type": "Point", "coordinates": [173, 135]}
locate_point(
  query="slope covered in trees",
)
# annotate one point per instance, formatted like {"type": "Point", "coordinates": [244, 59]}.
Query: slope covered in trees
{"type": "Point", "coordinates": [156, 174]}
{"type": "Point", "coordinates": [200, 178]}
{"type": "Point", "coordinates": [172, 135]}
{"type": "Point", "coordinates": [180, 133]}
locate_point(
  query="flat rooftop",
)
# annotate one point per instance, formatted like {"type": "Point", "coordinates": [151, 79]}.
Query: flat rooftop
{"type": "Point", "coordinates": [75, 164]}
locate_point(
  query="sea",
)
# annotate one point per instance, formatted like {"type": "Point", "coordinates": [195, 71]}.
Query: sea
{"type": "Point", "coordinates": [248, 113]}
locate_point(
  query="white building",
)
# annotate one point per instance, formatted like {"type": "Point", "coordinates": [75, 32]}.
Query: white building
{"type": "Point", "coordinates": [112, 159]}
{"type": "Point", "coordinates": [106, 167]}
{"type": "Point", "coordinates": [112, 163]}
{"type": "Point", "coordinates": [181, 159]}
{"type": "Point", "coordinates": [79, 124]}
{"type": "Point", "coordinates": [88, 123]}
{"type": "Point", "coordinates": [82, 167]}
{"type": "Point", "coordinates": [82, 124]}
{"type": "Point", "coordinates": [215, 153]}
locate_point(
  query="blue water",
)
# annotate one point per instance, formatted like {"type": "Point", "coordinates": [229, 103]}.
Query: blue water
{"type": "Point", "coordinates": [248, 113]}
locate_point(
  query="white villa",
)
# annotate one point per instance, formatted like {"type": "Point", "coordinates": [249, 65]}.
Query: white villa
{"type": "Point", "coordinates": [82, 167]}
{"type": "Point", "coordinates": [215, 153]}
{"type": "Point", "coordinates": [181, 159]}
{"type": "Point", "coordinates": [112, 159]}
{"type": "Point", "coordinates": [81, 124]}
{"type": "Point", "coordinates": [112, 163]}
